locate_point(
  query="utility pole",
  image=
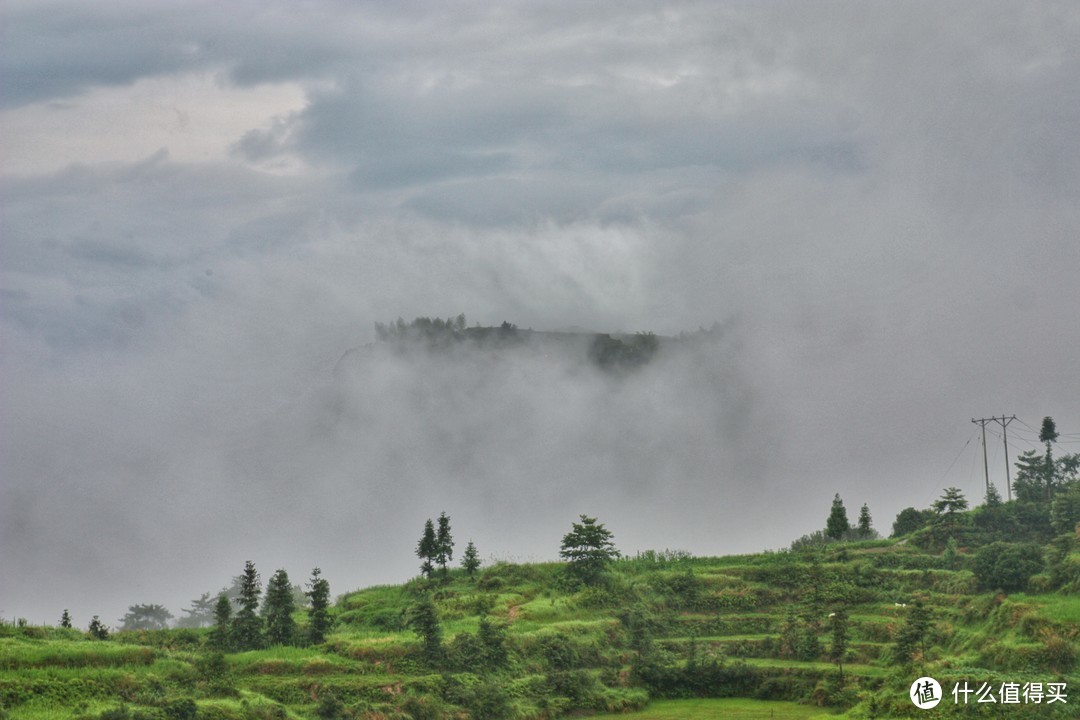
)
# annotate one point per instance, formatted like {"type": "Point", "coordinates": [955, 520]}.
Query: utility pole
{"type": "Point", "coordinates": [1004, 423]}
{"type": "Point", "coordinates": [986, 468]}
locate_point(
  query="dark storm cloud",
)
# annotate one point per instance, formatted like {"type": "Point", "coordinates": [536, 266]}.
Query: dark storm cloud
{"type": "Point", "coordinates": [878, 200]}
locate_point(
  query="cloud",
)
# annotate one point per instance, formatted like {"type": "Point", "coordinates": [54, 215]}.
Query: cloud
{"type": "Point", "coordinates": [205, 208]}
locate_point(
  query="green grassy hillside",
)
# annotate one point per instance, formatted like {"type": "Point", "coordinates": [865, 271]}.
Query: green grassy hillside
{"type": "Point", "coordinates": [521, 641]}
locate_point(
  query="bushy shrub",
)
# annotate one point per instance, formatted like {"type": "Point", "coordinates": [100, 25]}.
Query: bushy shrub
{"type": "Point", "coordinates": [182, 709]}
{"type": "Point", "coordinates": [1057, 653]}
{"type": "Point", "coordinates": [329, 707]}
{"type": "Point", "coordinates": [1007, 566]}
{"type": "Point", "coordinates": [559, 652]}
{"type": "Point", "coordinates": [812, 541]}
{"type": "Point", "coordinates": [909, 520]}
{"type": "Point", "coordinates": [620, 700]}
{"type": "Point", "coordinates": [423, 707]}
{"type": "Point", "coordinates": [683, 589]}
{"type": "Point", "coordinates": [578, 685]}
{"type": "Point", "coordinates": [489, 702]}
{"type": "Point", "coordinates": [484, 700]}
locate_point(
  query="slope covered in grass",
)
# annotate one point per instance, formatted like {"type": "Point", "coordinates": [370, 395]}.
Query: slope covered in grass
{"type": "Point", "coordinates": [660, 632]}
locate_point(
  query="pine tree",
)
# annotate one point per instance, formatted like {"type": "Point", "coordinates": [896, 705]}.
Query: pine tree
{"type": "Point", "coordinates": [789, 636]}
{"type": "Point", "coordinates": [98, 630]}
{"type": "Point", "coordinates": [838, 621]}
{"type": "Point", "coordinates": [911, 643]}
{"type": "Point", "coordinates": [65, 619]}
{"type": "Point", "coordinates": [951, 557]}
{"type": "Point", "coordinates": [1031, 482]}
{"type": "Point", "coordinates": [993, 497]}
{"type": "Point", "coordinates": [146, 617]}
{"type": "Point", "coordinates": [424, 620]}
{"type": "Point", "coordinates": [427, 549]}
{"type": "Point", "coordinates": [200, 614]}
{"type": "Point", "coordinates": [837, 524]}
{"type": "Point", "coordinates": [1049, 434]}
{"type": "Point", "coordinates": [470, 561]}
{"type": "Point", "coordinates": [444, 543]}
{"type": "Point", "coordinates": [865, 528]}
{"type": "Point", "coordinates": [589, 549]}
{"type": "Point", "coordinates": [950, 503]}
{"type": "Point", "coordinates": [247, 625]}
{"type": "Point", "coordinates": [221, 635]}
{"type": "Point", "coordinates": [319, 621]}
{"type": "Point", "coordinates": [492, 639]}
{"type": "Point", "coordinates": [280, 626]}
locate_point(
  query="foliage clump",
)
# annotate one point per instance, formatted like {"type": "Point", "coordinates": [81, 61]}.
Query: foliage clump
{"type": "Point", "coordinates": [1007, 566]}
{"type": "Point", "coordinates": [837, 523]}
{"type": "Point", "coordinates": [589, 548]}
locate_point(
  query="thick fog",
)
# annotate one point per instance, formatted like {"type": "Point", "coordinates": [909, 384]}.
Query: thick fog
{"type": "Point", "coordinates": [203, 209]}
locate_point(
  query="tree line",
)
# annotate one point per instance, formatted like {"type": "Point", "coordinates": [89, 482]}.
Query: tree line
{"type": "Point", "coordinates": [588, 549]}
{"type": "Point", "coordinates": [250, 629]}
{"type": "Point", "coordinates": [259, 619]}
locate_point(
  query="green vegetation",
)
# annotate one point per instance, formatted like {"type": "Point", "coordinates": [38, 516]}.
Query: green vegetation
{"type": "Point", "coordinates": [279, 609]}
{"type": "Point", "coordinates": [319, 620]}
{"type": "Point", "coordinates": [470, 561]}
{"type": "Point", "coordinates": [614, 353]}
{"type": "Point", "coordinates": [427, 549]}
{"type": "Point", "coordinates": [247, 625]}
{"type": "Point", "coordinates": [146, 617]}
{"type": "Point", "coordinates": [839, 628]}
{"type": "Point", "coordinates": [444, 544]}
{"type": "Point", "coordinates": [97, 629]}
{"type": "Point", "coordinates": [589, 549]}
{"type": "Point", "coordinates": [837, 524]}
{"type": "Point", "coordinates": [730, 709]}
{"type": "Point", "coordinates": [834, 626]}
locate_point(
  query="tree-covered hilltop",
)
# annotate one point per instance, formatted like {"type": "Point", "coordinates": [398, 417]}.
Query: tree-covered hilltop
{"type": "Point", "coordinates": [610, 351]}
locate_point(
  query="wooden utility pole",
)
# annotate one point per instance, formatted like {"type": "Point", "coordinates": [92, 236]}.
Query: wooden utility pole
{"type": "Point", "coordinates": [986, 467]}
{"type": "Point", "coordinates": [1004, 423]}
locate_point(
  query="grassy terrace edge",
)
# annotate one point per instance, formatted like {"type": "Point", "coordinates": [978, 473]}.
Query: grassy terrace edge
{"type": "Point", "coordinates": [523, 641]}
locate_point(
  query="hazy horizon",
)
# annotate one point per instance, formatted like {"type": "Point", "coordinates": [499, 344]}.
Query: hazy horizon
{"type": "Point", "coordinates": [202, 207]}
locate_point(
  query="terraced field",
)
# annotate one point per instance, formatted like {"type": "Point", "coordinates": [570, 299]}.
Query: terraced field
{"type": "Point", "coordinates": [663, 636]}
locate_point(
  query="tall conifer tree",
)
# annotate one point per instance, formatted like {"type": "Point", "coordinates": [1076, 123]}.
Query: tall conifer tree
{"type": "Point", "coordinates": [865, 527]}
{"type": "Point", "coordinates": [470, 560]}
{"type": "Point", "coordinates": [221, 635]}
{"type": "Point", "coordinates": [837, 524]}
{"type": "Point", "coordinates": [280, 626]}
{"type": "Point", "coordinates": [319, 621]}
{"type": "Point", "coordinates": [444, 543]}
{"type": "Point", "coordinates": [247, 625]}
{"type": "Point", "coordinates": [427, 549]}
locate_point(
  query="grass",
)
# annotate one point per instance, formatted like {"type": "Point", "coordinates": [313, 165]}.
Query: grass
{"type": "Point", "coordinates": [568, 648]}
{"type": "Point", "coordinates": [18, 653]}
{"type": "Point", "coordinates": [727, 708]}
{"type": "Point", "coordinates": [823, 667]}
{"type": "Point", "coordinates": [1060, 608]}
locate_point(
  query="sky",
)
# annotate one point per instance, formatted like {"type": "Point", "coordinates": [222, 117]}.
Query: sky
{"type": "Point", "coordinates": [204, 206]}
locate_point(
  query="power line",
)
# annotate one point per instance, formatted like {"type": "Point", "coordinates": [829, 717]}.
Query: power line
{"type": "Point", "coordinates": [956, 458]}
{"type": "Point", "coordinates": [1012, 443]}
